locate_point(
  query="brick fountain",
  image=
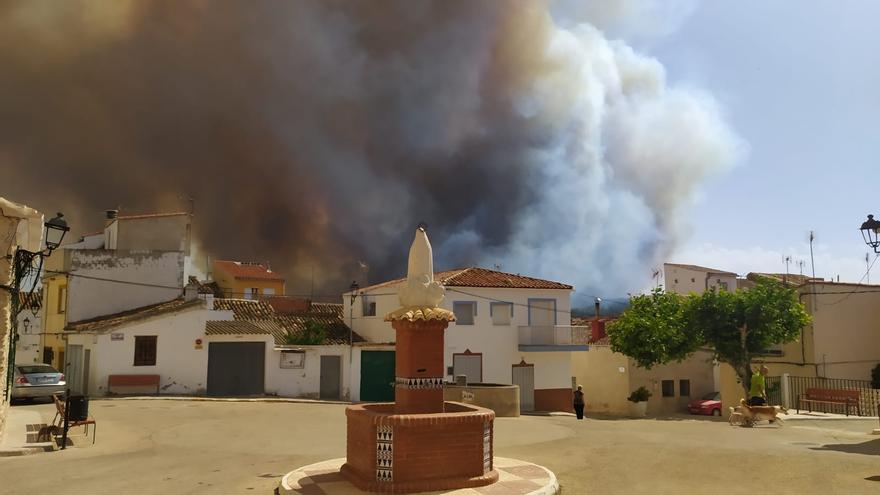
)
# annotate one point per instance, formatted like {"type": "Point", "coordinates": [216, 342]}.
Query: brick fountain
{"type": "Point", "coordinates": [419, 443]}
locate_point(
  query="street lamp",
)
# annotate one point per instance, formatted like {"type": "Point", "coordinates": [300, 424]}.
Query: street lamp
{"type": "Point", "coordinates": [27, 264]}
{"type": "Point", "coordinates": [55, 230]}
{"type": "Point", "coordinates": [870, 233]}
{"type": "Point", "coordinates": [27, 324]}
{"type": "Point", "coordinates": [353, 288]}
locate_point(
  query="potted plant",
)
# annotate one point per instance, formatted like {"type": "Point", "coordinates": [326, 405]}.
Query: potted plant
{"type": "Point", "coordinates": [639, 399]}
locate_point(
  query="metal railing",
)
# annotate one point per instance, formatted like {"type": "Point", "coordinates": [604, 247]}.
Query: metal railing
{"type": "Point", "coordinates": [869, 397]}
{"type": "Point", "coordinates": [554, 335]}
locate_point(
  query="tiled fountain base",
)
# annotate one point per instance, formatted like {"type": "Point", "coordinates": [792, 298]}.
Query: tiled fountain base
{"type": "Point", "coordinates": [515, 478]}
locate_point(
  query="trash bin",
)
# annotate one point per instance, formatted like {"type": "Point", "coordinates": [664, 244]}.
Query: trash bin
{"type": "Point", "coordinates": [78, 410]}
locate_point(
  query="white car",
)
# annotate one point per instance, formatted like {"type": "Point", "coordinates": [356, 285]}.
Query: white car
{"type": "Point", "coordinates": [37, 380]}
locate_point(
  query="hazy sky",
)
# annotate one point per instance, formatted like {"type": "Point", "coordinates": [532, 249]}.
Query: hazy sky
{"type": "Point", "coordinates": [800, 83]}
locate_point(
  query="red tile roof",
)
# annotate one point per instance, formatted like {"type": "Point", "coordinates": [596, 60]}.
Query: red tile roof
{"type": "Point", "coordinates": [483, 277]}
{"type": "Point", "coordinates": [261, 314]}
{"type": "Point", "coordinates": [247, 271]}
{"type": "Point", "coordinates": [286, 305]}
{"type": "Point", "coordinates": [108, 322]}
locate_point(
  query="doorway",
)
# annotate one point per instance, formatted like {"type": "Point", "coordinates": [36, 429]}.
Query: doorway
{"type": "Point", "coordinates": [331, 372]}
{"type": "Point", "coordinates": [524, 377]}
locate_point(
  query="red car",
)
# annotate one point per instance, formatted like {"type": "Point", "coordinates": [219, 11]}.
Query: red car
{"type": "Point", "coordinates": [710, 405]}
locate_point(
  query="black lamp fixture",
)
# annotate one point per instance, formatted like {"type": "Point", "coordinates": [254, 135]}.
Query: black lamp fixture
{"type": "Point", "coordinates": [55, 230]}
{"type": "Point", "coordinates": [871, 233]}
{"type": "Point", "coordinates": [27, 324]}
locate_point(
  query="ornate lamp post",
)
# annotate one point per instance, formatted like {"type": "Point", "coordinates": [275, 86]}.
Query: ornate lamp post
{"type": "Point", "coordinates": [29, 264]}
{"type": "Point", "coordinates": [870, 233]}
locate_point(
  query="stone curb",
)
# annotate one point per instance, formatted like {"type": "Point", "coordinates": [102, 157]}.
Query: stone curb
{"type": "Point", "coordinates": [22, 451]}
{"type": "Point", "coordinates": [223, 399]}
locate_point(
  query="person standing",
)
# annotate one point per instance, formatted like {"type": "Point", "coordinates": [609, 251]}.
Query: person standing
{"type": "Point", "coordinates": [758, 388]}
{"type": "Point", "coordinates": [579, 402]}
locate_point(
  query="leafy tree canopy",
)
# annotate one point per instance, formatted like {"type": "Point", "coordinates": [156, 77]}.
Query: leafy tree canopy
{"type": "Point", "coordinates": [313, 333]}
{"type": "Point", "coordinates": [661, 327]}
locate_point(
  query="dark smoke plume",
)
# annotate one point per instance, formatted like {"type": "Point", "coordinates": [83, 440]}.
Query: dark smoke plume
{"type": "Point", "coordinates": [318, 133]}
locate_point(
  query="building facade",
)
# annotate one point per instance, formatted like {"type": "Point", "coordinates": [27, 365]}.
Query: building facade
{"type": "Point", "coordinates": [242, 280]}
{"type": "Point", "coordinates": [509, 329]}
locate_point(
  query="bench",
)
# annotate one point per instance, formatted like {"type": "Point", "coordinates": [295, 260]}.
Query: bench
{"type": "Point", "coordinates": [58, 421]}
{"type": "Point", "coordinates": [830, 396]}
{"type": "Point", "coordinates": [133, 384]}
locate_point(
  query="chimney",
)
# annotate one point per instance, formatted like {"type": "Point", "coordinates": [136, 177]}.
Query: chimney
{"type": "Point", "coordinates": [598, 305]}
{"type": "Point", "coordinates": [112, 214]}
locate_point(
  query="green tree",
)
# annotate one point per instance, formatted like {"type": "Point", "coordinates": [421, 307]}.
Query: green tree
{"type": "Point", "coordinates": [663, 327]}
{"type": "Point", "coordinates": [313, 333]}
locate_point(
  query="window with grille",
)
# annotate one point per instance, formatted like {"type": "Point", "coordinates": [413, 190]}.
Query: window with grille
{"type": "Point", "coordinates": [145, 350]}
{"type": "Point", "coordinates": [684, 388]}
{"type": "Point", "coordinates": [668, 387]}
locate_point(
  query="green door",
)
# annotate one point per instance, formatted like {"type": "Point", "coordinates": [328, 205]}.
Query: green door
{"type": "Point", "coordinates": [377, 376]}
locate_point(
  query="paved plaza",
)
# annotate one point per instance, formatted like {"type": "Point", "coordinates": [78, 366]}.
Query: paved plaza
{"type": "Point", "coordinates": [176, 447]}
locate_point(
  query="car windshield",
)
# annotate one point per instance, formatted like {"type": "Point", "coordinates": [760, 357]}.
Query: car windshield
{"type": "Point", "coordinates": [39, 368]}
{"type": "Point", "coordinates": [711, 396]}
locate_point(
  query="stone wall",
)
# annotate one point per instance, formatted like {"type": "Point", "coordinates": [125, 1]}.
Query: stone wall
{"type": "Point", "coordinates": [7, 235]}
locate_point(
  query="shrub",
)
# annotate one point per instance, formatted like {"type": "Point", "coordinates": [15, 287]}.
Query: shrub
{"type": "Point", "coordinates": [314, 333]}
{"type": "Point", "coordinates": [640, 394]}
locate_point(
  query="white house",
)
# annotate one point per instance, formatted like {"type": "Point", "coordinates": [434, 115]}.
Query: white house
{"type": "Point", "coordinates": [204, 346]}
{"type": "Point", "coordinates": [509, 329]}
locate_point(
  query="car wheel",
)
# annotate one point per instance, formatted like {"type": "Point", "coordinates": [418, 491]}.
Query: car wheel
{"type": "Point", "coordinates": [716, 412]}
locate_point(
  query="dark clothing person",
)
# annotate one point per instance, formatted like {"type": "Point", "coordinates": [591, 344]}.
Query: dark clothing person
{"type": "Point", "coordinates": [579, 403]}
{"type": "Point", "coordinates": [757, 401]}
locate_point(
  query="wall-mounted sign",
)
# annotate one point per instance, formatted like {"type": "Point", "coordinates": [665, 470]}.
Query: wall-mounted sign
{"type": "Point", "coordinates": [117, 336]}
{"type": "Point", "coordinates": [467, 396]}
{"type": "Point", "coordinates": [293, 359]}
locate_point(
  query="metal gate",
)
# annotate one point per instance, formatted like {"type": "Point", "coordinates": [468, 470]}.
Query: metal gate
{"type": "Point", "coordinates": [331, 371]}
{"type": "Point", "coordinates": [236, 368]}
{"type": "Point", "coordinates": [524, 377]}
{"type": "Point", "coordinates": [377, 376]}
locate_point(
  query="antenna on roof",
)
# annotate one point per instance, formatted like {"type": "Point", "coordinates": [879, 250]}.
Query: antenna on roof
{"type": "Point", "coordinates": [812, 260]}
{"type": "Point", "coordinates": [786, 259]}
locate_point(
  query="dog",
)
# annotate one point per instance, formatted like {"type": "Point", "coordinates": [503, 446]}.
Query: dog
{"type": "Point", "coordinates": [746, 415]}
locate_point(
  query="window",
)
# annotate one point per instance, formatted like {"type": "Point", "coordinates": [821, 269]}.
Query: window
{"type": "Point", "coordinates": [464, 312]}
{"type": "Point", "coordinates": [269, 291]}
{"type": "Point", "coordinates": [369, 308]}
{"type": "Point", "coordinates": [542, 312]}
{"type": "Point", "coordinates": [668, 387]}
{"type": "Point", "coordinates": [684, 388]}
{"type": "Point", "coordinates": [62, 299]}
{"type": "Point", "coordinates": [501, 313]}
{"type": "Point", "coordinates": [145, 350]}
{"type": "Point", "coordinates": [723, 285]}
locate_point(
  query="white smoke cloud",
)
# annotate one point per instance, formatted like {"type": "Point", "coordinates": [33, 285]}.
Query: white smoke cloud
{"type": "Point", "coordinates": [628, 155]}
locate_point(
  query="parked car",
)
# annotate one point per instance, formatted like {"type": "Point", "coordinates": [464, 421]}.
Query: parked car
{"type": "Point", "coordinates": [709, 404]}
{"type": "Point", "coordinates": [36, 380]}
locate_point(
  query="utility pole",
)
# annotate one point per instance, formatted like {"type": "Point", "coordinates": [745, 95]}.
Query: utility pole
{"type": "Point", "coordinates": [786, 260]}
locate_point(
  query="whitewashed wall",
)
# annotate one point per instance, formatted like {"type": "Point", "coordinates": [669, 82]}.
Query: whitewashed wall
{"type": "Point", "coordinates": [182, 368]}
{"type": "Point", "coordinates": [498, 344]}
{"type": "Point", "coordinates": [305, 382]}
{"type": "Point", "coordinates": [157, 277]}
{"type": "Point", "coordinates": [28, 349]}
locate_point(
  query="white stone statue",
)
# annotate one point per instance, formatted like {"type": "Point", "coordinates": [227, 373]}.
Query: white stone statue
{"type": "Point", "coordinates": [420, 289]}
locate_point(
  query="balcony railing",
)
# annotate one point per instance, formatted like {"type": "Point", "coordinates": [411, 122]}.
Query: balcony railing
{"type": "Point", "coordinates": [553, 337]}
